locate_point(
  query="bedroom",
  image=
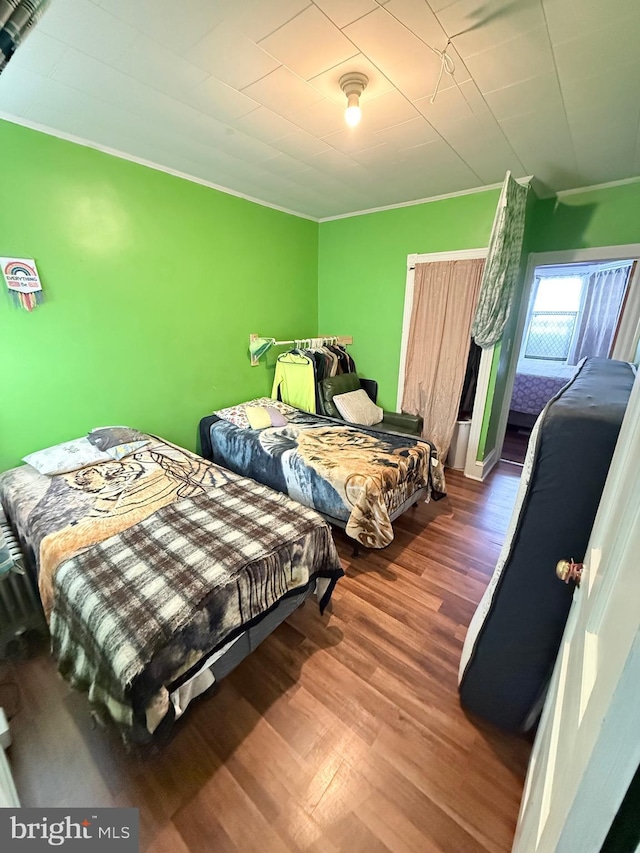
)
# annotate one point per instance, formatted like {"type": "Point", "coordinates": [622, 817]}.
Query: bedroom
{"type": "Point", "coordinates": [153, 283]}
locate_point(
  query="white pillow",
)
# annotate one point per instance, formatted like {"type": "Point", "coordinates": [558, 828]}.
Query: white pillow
{"type": "Point", "coordinates": [356, 407]}
{"type": "Point", "coordinates": [66, 457]}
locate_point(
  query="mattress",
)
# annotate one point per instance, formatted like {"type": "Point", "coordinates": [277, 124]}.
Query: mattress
{"type": "Point", "coordinates": [514, 636]}
{"type": "Point", "coordinates": [355, 476]}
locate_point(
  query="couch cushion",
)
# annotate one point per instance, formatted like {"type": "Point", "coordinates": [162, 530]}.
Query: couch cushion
{"type": "Point", "coordinates": [332, 385]}
{"type": "Point", "coordinates": [356, 408]}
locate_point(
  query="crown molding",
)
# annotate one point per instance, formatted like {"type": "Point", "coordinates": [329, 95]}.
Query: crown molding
{"type": "Point", "coordinates": [457, 194]}
{"type": "Point", "coordinates": [150, 164]}
{"type": "Point", "coordinates": [609, 185]}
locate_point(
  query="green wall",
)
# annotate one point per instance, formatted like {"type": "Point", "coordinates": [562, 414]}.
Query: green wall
{"type": "Point", "coordinates": [363, 268]}
{"type": "Point", "coordinates": [152, 286]}
{"type": "Point", "coordinates": [599, 217]}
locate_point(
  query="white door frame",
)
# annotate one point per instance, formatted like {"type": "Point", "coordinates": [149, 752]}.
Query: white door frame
{"type": "Point", "coordinates": [538, 259]}
{"type": "Point", "coordinates": [472, 469]}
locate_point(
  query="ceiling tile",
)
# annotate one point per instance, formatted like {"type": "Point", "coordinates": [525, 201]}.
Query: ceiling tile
{"type": "Point", "coordinates": [343, 12]}
{"type": "Point", "coordinates": [449, 106]}
{"type": "Point", "coordinates": [604, 92]}
{"type": "Point", "coordinates": [321, 118]}
{"type": "Point", "coordinates": [387, 110]}
{"type": "Point", "coordinates": [265, 125]}
{"type": "Point", "coordinates": [378, 155]}
{"type": "Point", "coordinates": [543, 144]}
{"type": "Point", "coordinates": [480, 26]}
{"type": "Point", "coordinates": [219, 100]}
{"type": "Point", "coordinates": [82, 24]}
{"type": "Point", "coordinates": [483, 147]}
{"type": "Point", "coordinates": [350, 140]}
{"type": "Point", "coordinates": [283, 164]}
{"type": "Point", "coordinates": [228, 54]}
{"type": "Point", "coordinates": [384, 40]}
{"type": "Point", "coordinates": [105, 83]}
{"type": "Point", "coordinates": [309, 44]}
{"type": "Point", "coordinates": [328, 82]}
{"type": "Point", "coordinates": [257, 19]}
{"type": "Point", "coordinates": [160, 20]}
{"type": "Point", "coordinates": [605, 145]}
{"type": "Point", "coordinates": [301, 144]}
{"type": "Point", "coordinates": [566, 22]}
{"type": "Point", "coordinates": [409, 133]}
{"type": "Point", "coordinates": [283, 92]}
{"type": "Point", "coordinates": [151, 63]}
{"type": "Point", "coordinates": [525, 97]}
{"type": "Point", "coordinates": [592, 54]}
{"type": "Point", "coordinates": [524, 57]}
{"type": "Point", "coordinates": [232, 141]}
{"type": "Point", "coordinates": [332, 161]}
{"type": "Point", "coordinates": [17, 88]}
{"type": "Point", "coordinates": [40, 53]}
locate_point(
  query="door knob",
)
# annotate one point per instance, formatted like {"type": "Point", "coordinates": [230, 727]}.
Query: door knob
{"type": "Point", "coordinates": [567, 571]}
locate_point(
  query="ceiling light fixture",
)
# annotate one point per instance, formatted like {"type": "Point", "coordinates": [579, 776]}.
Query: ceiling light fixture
{"type": "Point", "coordinates": [353, 85]}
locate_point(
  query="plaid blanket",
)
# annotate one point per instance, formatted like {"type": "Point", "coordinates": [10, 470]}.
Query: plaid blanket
{"type": "Point", "coordinates": [136, 610]}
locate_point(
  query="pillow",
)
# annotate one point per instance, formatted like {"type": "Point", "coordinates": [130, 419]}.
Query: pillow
{"type": "Point", "coordinates": [356, 407]}
{"type": "Point", "coordinates": [260, 417]}
{"type": "Point", "coordinates": [65, 457]}
{"type": "Point", "coordinates": [236, 414]}
{"type": "Point", "coordinates": [105, 438]}
{"type": "Point", "coordinates": [121, 450]}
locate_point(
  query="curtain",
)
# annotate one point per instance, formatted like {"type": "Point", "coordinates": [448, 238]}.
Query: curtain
{"type": "Point", "coordinates": [599, 317]}
{"type": "Point", "coordinates": [502, 264]}
{"type": "Point", "coordinates": [17, 17]}
{"type": "Point", "coordinates": [445, 296]}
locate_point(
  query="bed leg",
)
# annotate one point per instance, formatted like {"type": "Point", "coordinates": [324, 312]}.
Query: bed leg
{"type": "Point", "coordinates": [356, 551]}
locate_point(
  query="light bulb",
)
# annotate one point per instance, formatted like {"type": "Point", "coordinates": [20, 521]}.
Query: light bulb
{"type": "Point", "coordinates": [352, 116]}
{"type": "Point", "coordinates": [353, 113]}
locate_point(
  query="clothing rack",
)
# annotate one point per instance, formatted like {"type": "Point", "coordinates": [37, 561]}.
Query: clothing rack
{"type": "Point", "coordinates": [301, 343]}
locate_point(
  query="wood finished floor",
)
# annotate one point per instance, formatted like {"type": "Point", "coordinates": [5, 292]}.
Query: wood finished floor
{"type": "Point", "coordinates": [340, 733]}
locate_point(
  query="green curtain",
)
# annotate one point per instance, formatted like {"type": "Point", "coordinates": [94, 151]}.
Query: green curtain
{"type": "Point", "coordinates": [17, 17]}
{"type": "Point", "coordinates": [502, 264]}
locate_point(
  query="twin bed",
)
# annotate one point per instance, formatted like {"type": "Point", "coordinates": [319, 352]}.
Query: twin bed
{"type": "Point", "coordinates": [159, 570]}
{"type": "Point", "coordinates": [357, 477]}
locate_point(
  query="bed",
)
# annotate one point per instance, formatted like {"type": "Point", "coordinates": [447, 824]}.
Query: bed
{"type": "Point", "coordinates": [531, 393]}
{"type": "Point", "coordinates": [513, 639]}
{"type": "Point", "coordinates": [160, 571]}
{"type": "Point", "coordinates": [356, 477]}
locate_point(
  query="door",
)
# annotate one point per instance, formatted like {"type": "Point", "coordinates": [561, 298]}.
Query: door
{"type": "Point", "coordinates": [587, 747]}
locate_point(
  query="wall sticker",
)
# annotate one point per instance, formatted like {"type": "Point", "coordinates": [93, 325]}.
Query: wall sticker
{"type": "Point", "coordinates": [23, 281]}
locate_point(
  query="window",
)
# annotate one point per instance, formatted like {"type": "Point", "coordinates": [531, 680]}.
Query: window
{"type": "Point", "coordinates": [553, 318]}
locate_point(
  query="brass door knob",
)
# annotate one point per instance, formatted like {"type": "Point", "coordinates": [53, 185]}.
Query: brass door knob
{"type": "Point", "coordinates": [568, 570]}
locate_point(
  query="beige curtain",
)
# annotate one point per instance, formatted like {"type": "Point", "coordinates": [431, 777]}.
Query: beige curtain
{"type": "Point", "coordinates": [445, 296]}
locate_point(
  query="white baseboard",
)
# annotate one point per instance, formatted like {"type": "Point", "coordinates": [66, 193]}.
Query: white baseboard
{"type": "Point", "coordinates": [480, 470]}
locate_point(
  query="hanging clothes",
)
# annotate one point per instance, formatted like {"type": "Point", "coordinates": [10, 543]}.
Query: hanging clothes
{"type": "Point", "coordinates": [295, 381]}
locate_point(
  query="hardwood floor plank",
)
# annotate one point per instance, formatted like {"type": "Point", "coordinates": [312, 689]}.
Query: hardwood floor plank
{"type": "Point", "coordinates": [341, 732]}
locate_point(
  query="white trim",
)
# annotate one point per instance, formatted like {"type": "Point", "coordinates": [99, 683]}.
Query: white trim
{"type": "Point", "coordinates": [114, 152]}
{"type": "Point", "coordinates": [472, 467]}
{"type": "Point", "coordinates": [456, 194]}
{"type": "Point", "coordinates": [609, 185]}
{"type": "Point", "coordinates": [480, 470]}
{"type": "Point", "coordinates": [626, 344]}
{"type": "Point", "coordinates": [412, 260]}
{"type": "Point", "coordinates": [623, 252]}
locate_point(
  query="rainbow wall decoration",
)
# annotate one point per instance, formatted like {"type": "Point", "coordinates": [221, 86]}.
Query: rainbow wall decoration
{"type": "Point", "coordinates": [23, 281]}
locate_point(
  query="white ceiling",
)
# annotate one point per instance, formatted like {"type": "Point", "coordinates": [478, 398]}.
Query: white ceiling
{"type": "Point", "coordinates": [245, 93]}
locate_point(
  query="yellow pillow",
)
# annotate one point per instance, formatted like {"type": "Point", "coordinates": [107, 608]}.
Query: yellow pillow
{"type": "Point", "coordinates": [258, 417]}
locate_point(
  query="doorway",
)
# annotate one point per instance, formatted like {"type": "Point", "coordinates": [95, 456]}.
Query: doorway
{"type": "Point", "coordinates": [574, 310]}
